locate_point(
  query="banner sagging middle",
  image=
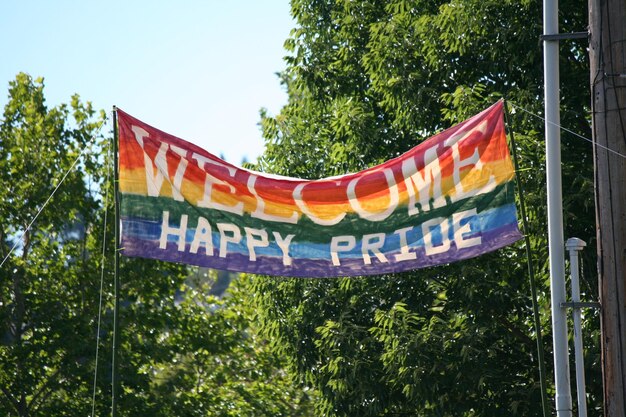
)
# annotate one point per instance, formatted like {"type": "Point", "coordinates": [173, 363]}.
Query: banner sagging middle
{"type": "Point", "coordinates": [449, 198]}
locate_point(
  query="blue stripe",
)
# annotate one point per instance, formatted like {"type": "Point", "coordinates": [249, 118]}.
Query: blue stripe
{"type": "Point", "coordinates": [479, 224]}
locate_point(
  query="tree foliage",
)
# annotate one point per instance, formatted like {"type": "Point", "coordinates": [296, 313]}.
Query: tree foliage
{"type": "Point", "coordinates": [45, 301]}
{"type": "Point", "coordinates": [220, 365]}
{"type": "Point", "coordinates": [367, 81]}
{"type": "Point", "coordinates": [183, 352]}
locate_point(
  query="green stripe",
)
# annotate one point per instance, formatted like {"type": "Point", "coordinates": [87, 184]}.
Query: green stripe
{"type": "Point", "coordinates": [151, 208]}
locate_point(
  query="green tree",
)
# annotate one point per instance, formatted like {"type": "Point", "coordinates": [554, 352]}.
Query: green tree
{"type": "Point", "coordinates": [221, 366]}
{"type": "Point", "coordinates": [46, 286]}
{"type": "Point", "coordinates": [182, 353]}
{"type": "Point", "coordinates": [367, 81]}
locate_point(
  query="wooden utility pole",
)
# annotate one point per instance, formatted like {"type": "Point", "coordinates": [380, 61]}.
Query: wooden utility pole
{"type": "Point", "coordinates": [607, 52]}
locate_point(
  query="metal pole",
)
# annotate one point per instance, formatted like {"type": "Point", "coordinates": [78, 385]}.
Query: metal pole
{"type": "Point", "coordinates": [563, 397]}
{"type": "Point", "coordinates": [116, 324]}
{"type": "Point", "coordinates": [531, 270]}
{"type": "Point", "coordinates": [575, 245]}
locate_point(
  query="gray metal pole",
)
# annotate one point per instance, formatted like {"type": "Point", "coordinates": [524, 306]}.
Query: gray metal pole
{"type": "Point", "coordinates": [116, 322]}
{"type": "Point", "coordinates": [574, 246]}
{"type": "Point", "coordinates": [563, 397]}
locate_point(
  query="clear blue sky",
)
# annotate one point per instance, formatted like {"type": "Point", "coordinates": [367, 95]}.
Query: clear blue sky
{"type": "Point", "coordinates": [200, 70]}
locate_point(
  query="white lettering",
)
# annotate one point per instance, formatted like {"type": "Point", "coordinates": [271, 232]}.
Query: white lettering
{"type": "Point", "coordinates": [207, 200]}
{"type": "Point", "coordinates": [167, 230]}
{"type": "Point", "coordinates": [341, 244]}
{"type": "Point", "coordinates": [405, 254]}
{"type": "Point", "coordinates": [255, 238]}
{"type": "Point", "coordinates": [283, 244]}
{"type": "Point", "coordinates": [177, 185]}
{"type": "Point", "coordinates": [460, 230]}
{"type": "Point", "coordinates": [155, 175]}
{"type": "Point", "coordinates": [424, 185]}
{"type": "Point", "coordinates": [367, 215]}
{"type": "Point", "coordinates": [297, 197]}
{"type": "Point", "coordinates": [202, 236]}
{"type": "Point", "coordinates": [440, 225]}
{"type": "Point", "coordinates": [260, 206]}
{"type": "Point", "coordinates": [372, 243]}
{"type": "Point", "coordinates": [473, 160]}
{"type": "Point", "coordinates": [229, 233]}
{"type": "Point", "coordinates": [140, 133]}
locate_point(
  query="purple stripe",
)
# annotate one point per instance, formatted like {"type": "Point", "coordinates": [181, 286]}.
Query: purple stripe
{"type": "Point", "coordinates": [491, 240]}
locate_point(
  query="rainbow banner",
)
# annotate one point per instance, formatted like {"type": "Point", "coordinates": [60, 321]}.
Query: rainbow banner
{"type": "Point", "coordinates": [447, 199]}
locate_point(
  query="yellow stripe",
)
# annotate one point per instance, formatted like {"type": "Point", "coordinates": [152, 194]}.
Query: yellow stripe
{"type": "Point", "coordinates": [133, 181]}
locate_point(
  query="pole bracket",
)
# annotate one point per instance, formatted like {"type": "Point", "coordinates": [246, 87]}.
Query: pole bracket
{"type": "Point", "coordinates": [564, 36]}
{"type": "Point", "coordinates": [581, 305]}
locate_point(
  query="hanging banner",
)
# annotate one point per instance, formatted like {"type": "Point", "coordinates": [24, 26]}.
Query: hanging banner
{"type": "Point", "coordinates": [449, 198]}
